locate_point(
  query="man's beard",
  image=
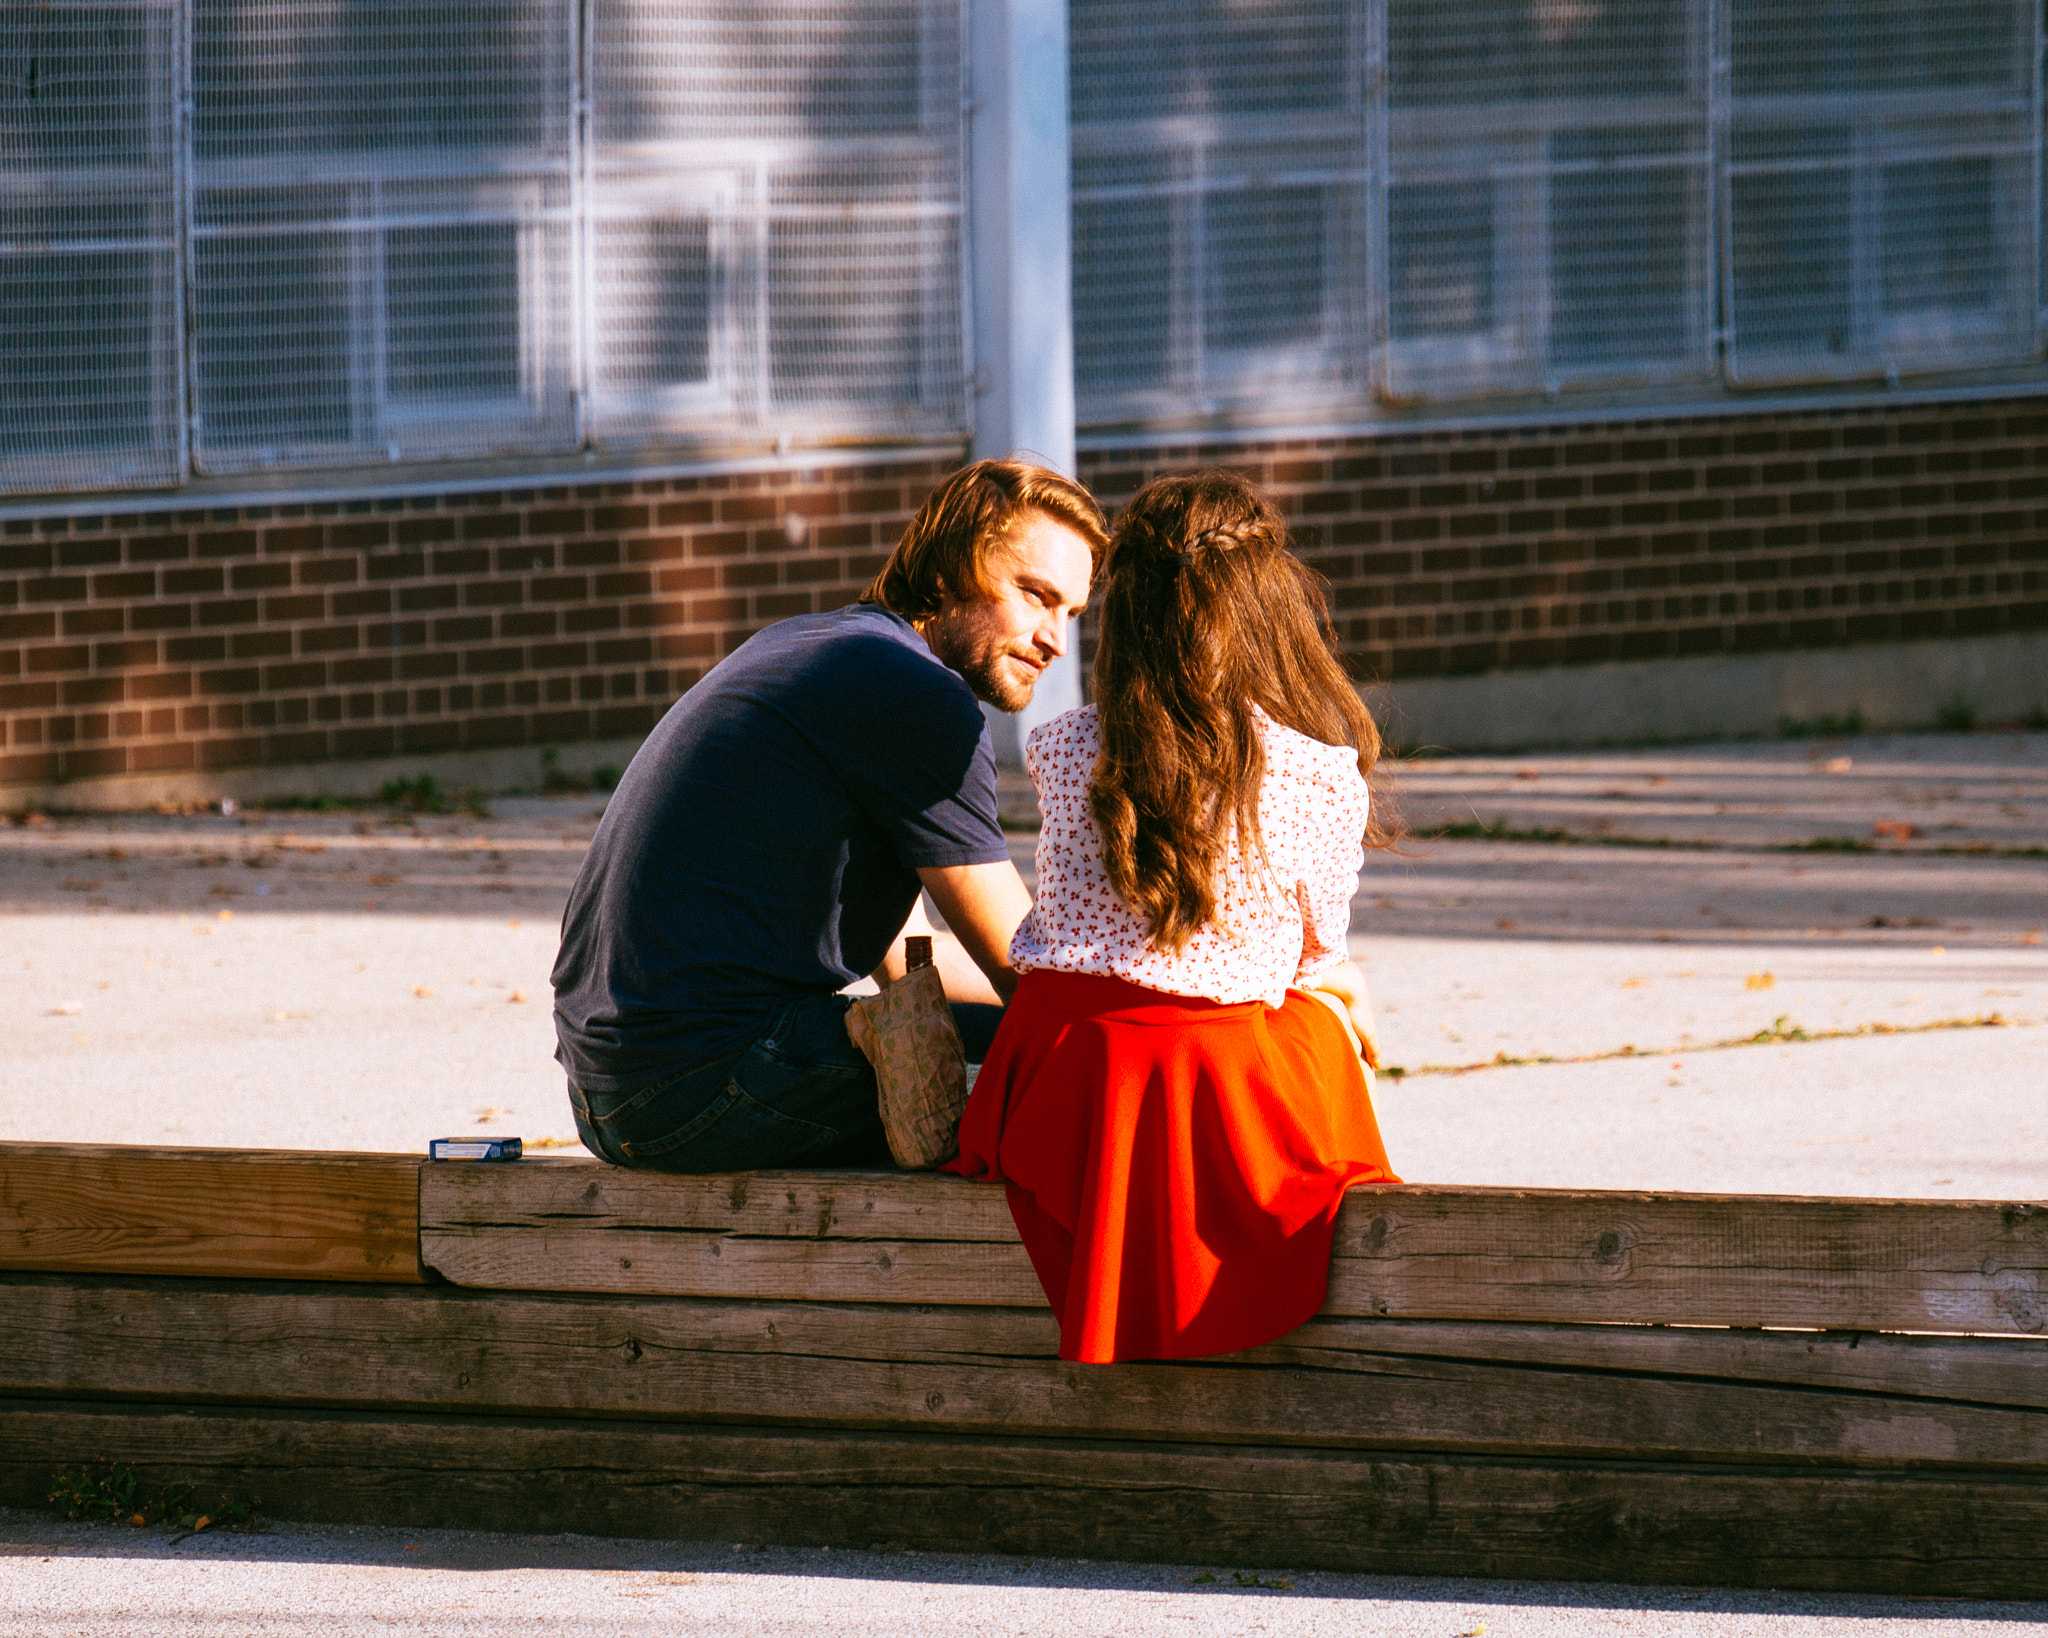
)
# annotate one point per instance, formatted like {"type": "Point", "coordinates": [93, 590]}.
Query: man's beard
{"type": "Point", "coordinates": [993, 679]}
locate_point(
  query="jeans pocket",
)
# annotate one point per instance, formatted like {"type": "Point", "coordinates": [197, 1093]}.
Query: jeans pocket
{"type": "Point", "coordinates": [734, 1133]}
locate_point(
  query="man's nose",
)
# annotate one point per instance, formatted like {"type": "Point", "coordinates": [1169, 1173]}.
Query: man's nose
{"type": "Point", "coordinates": [1052, 635]}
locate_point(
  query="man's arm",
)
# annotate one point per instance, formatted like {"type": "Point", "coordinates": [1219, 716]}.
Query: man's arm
{"type": "Point", "coordinates": [982, 905]}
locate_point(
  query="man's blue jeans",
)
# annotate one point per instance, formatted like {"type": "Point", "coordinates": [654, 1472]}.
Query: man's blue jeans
{"type": "Point", "coordinates": [801, 1095]}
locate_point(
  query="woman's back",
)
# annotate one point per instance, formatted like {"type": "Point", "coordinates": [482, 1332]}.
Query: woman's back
{"type": "Point", "coordinates": [1282, 909]}
{"type": "Point", "coordinates": [1176, 1118]}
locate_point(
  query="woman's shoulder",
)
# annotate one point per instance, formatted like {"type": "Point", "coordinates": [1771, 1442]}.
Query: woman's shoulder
{"type": "Point", "coordinates": [1292, 749]}
{"type": "Point", "coordinates": [1069, 732]}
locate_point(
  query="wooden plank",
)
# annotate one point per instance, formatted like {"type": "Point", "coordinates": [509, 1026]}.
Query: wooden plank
{"type": "Point", "coordinates": [1926, 1535]}
{"type": "Point", "coordinates": [1401, 1252]}
{"type": "Point", "coordinates": [1529, 1254]}
{"type": "Point", "coordinates": [248, 1213]}
{"type": "Point", "coordinates": [580, 1225]}
{"type": "Point", "coordinates": [1629, 1393]}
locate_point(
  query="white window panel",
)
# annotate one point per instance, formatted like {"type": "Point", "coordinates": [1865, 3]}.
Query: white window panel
{"type": "Point", "coordinates": [1883, 190]}
{"type": "Point", "coordinates": [90, 327]}
{"type": "Point", "coordinates": [776, 219]}
{"type": "Point", "coordinates": [383, 231]}
{"type": "Point", "coordinates": [1219, 204]}
{"type": "Point", "coordinates": [1546, 216]}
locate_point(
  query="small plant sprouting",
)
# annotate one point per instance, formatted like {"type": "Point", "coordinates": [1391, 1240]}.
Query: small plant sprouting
{"type": "Point", "coordinates": [1956, 716]}
{"type": "Point", "coordinates": [423, 794]}
{"type": "Point", "coordinates": [1848, 724]}
{"type": "Point", "coordinates": [553, 779]}
{"type": "Point", "coordinates": [111, 1492]}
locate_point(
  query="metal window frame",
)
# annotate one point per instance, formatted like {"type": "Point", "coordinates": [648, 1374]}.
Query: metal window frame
{"type": "Point", "coordinates": [730, 183]}
{"type": "Point", "coordinates": [1513, 358]}
{"type": "Point", "coordinates": [1882, 125]}
{"type": "Point", "coordinates": [164, 458]}
{"type": "Point", "coordinates": [491, 185]}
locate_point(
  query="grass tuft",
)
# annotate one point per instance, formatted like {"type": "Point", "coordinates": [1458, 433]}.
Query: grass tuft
{"type": "Point", "coordinates": [112, 1493]}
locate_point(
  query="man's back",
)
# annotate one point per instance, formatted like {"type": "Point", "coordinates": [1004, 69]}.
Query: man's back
{"type": "Point", "coordinates": [764, 842]}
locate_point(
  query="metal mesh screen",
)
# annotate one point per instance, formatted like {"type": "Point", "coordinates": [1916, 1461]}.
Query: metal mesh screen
{"type": "Point", "coordinates": [89, 321]}
{"type": "Point", "coordinates": [775, 217]}
{"type": "Point", "coordinates": [1546, 180]}
{"type": "Point", "coordinates": [1883, 186]}
{"type": "Point", "coordinates": [383, 227]}
{"type": "Point", "coordinates": [1219, 203]}
{"type": "Point", "coordinates": [1274, 202]}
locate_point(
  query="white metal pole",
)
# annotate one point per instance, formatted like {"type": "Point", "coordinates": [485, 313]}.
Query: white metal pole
{"type": "Point", "coordinates": [1019, 181]}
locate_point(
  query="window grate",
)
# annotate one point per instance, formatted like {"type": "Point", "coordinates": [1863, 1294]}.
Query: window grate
{"type": "Point", "coordinates": [89, 323]}
{"type": "Point", "coordinates": [776, 208]}
{"type": "Point", "coordinates": [383, 228]}
{"type": "Point", "coordinates": [1278, 204]}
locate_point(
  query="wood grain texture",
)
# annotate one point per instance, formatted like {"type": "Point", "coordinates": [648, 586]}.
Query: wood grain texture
{"type": "Point", "coordinates": [1917, 1534]}
{"type": "Point", "coordinates": [249, 1213]}
{"type": "Point", "coordinates": [1400, 1252]}
{"type": "Point", "coordinates": [1442, 1386]}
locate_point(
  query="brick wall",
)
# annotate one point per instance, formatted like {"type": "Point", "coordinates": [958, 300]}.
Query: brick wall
{"type": "Point", "coordinates": [175, 640]}
{"type": "Point", "coordinates": [180, 640]}
{"type": "Point", "coordinates": [1456, 553]}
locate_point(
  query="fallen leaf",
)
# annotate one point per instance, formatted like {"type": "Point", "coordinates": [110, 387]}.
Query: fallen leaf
{"type": "Point", "coordinates": [1899, 830]}
{"type": "Point", "coordinates": [1939, 949]}
{"type": "Point", "coordinates": [552, 1143]}
{"type": "Point", "coordinates": [2032, 936]}
{"type": "Point", "coordinates": [138, 1521]}
{"type": "Point", "coordinates": [201, 1522]}
{"type": "Point", "coordinates": [1506, 924]}
{"type": "Point", "coordinates": [517, 998]}
{"type": "Point", "coordinates": [422, 990]}
{"type": "Point", "coordinates": [1527, 773]}
{"type": "Point", "coordinates": [66, 1009]}
{"type": "Point", "coordinates": [1837, 764]}
{"type": "Point", "coordinates": [1634, 983]}
{"type": "Point", "coordinates": [1759, 981]}
{"type": "Point", "coordinates": [225, 915]}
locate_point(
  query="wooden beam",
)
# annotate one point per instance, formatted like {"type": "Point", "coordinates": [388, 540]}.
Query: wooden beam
{"type": "Point", "coordinates": [1926, 1535]}
{"type": "Point", "coordinates": [1693, 1259]}
{"type": "Point", "coordinates": [1401, 1252]}
{"type": "Point", "coordinates": [1444, 1386]}
{"type": "Point", "coordinates": [242, 1213]}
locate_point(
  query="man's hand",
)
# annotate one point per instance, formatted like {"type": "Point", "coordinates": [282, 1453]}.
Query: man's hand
{"type": "Point", "coordinates": [982, 905]}
{"type": "Point", "coordinates": [1347, 983]}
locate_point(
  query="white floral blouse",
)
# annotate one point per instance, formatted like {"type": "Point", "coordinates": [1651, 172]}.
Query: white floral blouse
{"type": "Point", "coordinates": [1275, 926]}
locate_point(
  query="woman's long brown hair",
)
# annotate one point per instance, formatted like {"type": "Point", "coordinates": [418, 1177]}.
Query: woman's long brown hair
{"type": "Point", "coordinates": [1204, 614]}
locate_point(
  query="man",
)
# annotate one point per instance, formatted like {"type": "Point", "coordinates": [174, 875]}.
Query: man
{"type": "Point", "coordinates": [767, 844]}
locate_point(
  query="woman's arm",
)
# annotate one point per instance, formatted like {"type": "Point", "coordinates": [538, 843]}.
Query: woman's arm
{"type": "Point", "coordinates": [1347, 983]}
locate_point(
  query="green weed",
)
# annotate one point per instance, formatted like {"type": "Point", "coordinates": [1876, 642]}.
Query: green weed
{"type": "Point", "coordinates": [111, 1492]}
{"type": "Point", "coordinates": [554, 780]}
{"type": "Point", "coordinates": [421, 794]}
{"type": "Point", "coordinates": [1956, 716]}
{"type": "Point", "coordinates": [1823, 727]}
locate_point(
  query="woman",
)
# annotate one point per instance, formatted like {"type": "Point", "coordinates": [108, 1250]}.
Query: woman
{"type": "Point", "coordinates": [1177, 1117]}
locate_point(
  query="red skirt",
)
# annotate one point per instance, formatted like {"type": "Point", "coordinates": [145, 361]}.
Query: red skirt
{"type": "Point", "coordinates": [1174, 1165]}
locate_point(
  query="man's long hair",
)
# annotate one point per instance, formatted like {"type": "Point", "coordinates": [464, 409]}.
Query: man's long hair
{"type": "Point", "coordinates": [968, 517]}
{"type": "Point", "coordinates": [1204, 615]}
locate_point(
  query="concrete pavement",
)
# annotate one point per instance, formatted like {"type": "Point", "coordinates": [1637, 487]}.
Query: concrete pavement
{"type": "Point", "coordinates": [108, 1581]}
{"type": "Point", "coordinates": [367, 981]}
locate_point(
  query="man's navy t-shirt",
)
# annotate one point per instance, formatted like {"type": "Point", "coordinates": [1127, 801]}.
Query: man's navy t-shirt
{"type": "Point", "coordinates": [764, 842]}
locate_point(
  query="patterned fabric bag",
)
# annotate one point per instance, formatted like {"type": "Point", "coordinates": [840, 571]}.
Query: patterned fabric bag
{"type": "Point", "coordinates": [907, 1032]}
